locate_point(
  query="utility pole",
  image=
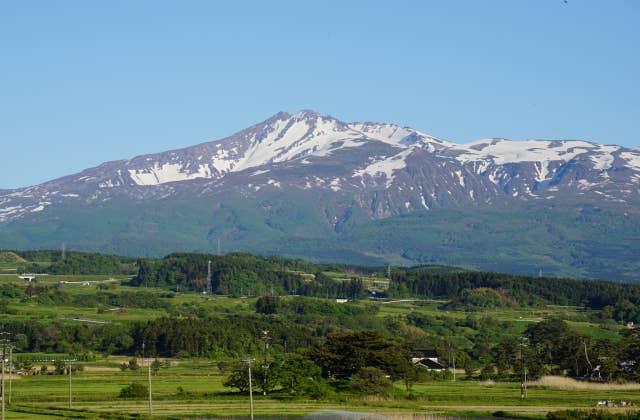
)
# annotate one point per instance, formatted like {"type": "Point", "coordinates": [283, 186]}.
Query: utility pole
{"type": "Point", "coordinates": [70, 394]}
{"type": "Point", "coordinates": [523, 369]}
{"type": "Point", "coordinates": [454, 368]}
{"type": "Point", "coordinates": [3, 334]}
{"type": "Point", "coordinates": [248, 362]}
{"type": "Point", "coordinates": [209, 284]}
{"type": "Point", "coordinates": [149, 379]}
{"type": "Point", "coordinates": [451, 362]}
{"type": "Point", "coordinates": [3, 362]}
{"type": "Point", "coordinates": [69, 362]}
{"type": "Point", "coordinates": [265, 364]}
{"type": "Point", "coordinates": [10, 371]}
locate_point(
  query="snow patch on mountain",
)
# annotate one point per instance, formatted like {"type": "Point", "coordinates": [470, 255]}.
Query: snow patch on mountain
{"type": "Point", "coordinates": [6, 212]}
{"type": "Point", "coordinates": [542, 171]}
{"type": "Point", "coordinates": [168, 172]}
{"type": "Point", "coordinates": [388, 133]}
{"type": "Point", "coordinates": [632, 158]}
{"type": "Point", "coordinates": [386, 167]}
{"type": "Point", "coordinates": [603, 158]}
{"type": "Point", "coordinates": [423, 202]}
{"type": "Point", "coordinates": [274, 183]}
{"type": "Point", "coordinates": [301, 135]}
{"type": "Point", "coordinates": [502, 151]}
{"type": "Point", "coordinates": [335, 184]}
{"type": "Point", "coordinates": [260, 172]}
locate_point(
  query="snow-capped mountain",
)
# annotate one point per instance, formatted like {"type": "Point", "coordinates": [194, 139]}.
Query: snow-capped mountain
{"type": "Point", "coordinates": [415, 170]}
{"type": "Point", "coordinates": [375, 170]}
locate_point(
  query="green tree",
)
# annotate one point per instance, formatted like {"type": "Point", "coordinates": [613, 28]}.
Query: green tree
{"type": "Point", "coordinates": [238, 377]}
{"type": "Point", "coordinates": [267, 305]}
{"type": "Point", "coordinates": [545, 338]}
{"type": "Point", "coordinates": [372, 381]}
{"type": "Point", "coordinates": [345, 353]}
{"type": "Point", "coordinates": [60, 367]}
{"type": "Point", "coordinates": [295, 373]}
{"type": "Point", "coordinates": [629, 354]}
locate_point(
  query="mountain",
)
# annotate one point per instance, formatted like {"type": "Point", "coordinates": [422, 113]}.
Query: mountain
{"type": "Point", "coordinates": [312, 186]}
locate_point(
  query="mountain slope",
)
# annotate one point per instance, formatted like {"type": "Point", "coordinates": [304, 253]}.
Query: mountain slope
{"type": "Point", "coordinates": [312, 186]}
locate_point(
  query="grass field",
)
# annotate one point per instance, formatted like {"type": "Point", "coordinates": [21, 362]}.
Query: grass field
{"type": "Point", "coordinates": [95, 393]}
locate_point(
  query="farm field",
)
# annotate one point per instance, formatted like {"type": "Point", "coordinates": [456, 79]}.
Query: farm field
{"type": "Point", "coordinates": [194, 389]}
{"type": "Point", "coordinates": [196, 339]}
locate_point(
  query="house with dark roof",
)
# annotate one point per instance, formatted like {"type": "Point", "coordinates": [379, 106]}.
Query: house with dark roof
{"type": "Point", "coordinates": [427, 358]}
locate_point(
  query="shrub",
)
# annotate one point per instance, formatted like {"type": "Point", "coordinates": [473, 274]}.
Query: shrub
{"type": "Point", "coordinates": [134, 390]}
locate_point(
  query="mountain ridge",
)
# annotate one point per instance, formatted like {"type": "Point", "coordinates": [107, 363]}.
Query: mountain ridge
{"type": "Point", "coordinates": [298, 173]}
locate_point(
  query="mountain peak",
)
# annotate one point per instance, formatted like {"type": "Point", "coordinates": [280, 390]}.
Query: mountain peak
{"type": "Point", "coordinates": [306, 113]}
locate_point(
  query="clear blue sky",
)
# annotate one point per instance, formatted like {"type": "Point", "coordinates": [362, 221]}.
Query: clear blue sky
{"type": "Point", "coordinates": [84, 82]}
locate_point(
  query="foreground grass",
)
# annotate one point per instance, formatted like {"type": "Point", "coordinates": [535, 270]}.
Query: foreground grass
{"type": "Point", "coordinates": [193, 388]}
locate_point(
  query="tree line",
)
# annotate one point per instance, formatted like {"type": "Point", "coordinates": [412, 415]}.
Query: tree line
{"type": "Point", "coordinates": [73, 262]}
{"type": "Point", "coordinates": [620, 301]}
{"type": "Point", "coordinates": [239, 274]}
